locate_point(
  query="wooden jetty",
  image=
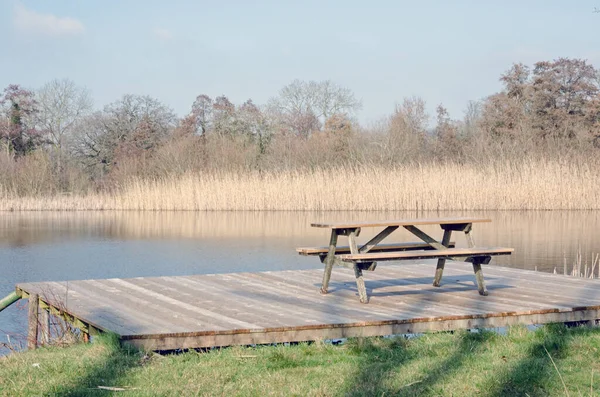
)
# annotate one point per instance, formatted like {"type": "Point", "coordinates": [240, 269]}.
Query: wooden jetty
{"type": "Point", "coordinates": [164, 313]}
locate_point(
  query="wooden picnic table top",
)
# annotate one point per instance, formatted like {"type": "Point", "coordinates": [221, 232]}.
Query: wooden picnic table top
{"type": "Point", "coordinates": [400, 222]}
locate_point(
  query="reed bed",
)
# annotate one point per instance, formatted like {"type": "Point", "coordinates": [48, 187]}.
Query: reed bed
{"type": "Point", "coordinates": [527, 185]}
{"type": "Point", "coordinates": [581, 268]}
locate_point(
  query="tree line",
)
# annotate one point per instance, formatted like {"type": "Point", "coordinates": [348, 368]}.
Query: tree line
{"type": "Point", "coordinates": [550, 109]}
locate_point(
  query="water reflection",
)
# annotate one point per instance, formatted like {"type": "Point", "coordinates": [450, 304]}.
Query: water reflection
{"type": "Point", "coordinates": [39, 246]}
{"type": "Point", "coordinates": [542, 239]}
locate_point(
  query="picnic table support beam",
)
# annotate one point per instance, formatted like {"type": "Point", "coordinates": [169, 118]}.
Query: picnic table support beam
{"type": "Point", "coordinates": [425, 237]}
{"type": "Point", "coordinates": [368, 246]}
{"type": "Point", "coordinates": [329, 260]}
{"type": "Point", "coordinates": [439, 269]}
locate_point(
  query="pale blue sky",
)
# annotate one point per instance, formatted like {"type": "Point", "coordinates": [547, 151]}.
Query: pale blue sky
{"type": "Point", "coordinates": [445, 52]}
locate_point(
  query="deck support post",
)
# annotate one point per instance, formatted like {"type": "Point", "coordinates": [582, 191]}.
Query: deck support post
{"type": "Point", "coordinates": [44, 321]}
{"type": "Point", "coordinates": [32, 334]}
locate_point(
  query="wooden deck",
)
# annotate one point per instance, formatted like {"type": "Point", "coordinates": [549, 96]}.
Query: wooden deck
{"type": "Point", "coordinates": [162, 313]}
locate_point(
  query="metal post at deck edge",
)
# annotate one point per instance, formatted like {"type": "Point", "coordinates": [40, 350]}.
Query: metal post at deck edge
{"type": "Point", "coordinates": [9, 300]}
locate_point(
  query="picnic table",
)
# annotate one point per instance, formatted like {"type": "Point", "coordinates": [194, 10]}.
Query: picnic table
{"type": "Point", "coordinates": [366, 256]}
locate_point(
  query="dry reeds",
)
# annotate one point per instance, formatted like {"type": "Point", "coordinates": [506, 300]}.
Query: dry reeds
{"type": "Point", "coordinates": [581, 269]}
{"type": "Point", "coordinates": [527, 185]}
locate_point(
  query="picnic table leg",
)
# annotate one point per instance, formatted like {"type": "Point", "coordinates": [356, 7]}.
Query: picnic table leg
{"type": "Point", "coordinates": [479, 276]}
{"type": "Point", "coordinates": [477, 262]}
{"type": "Point", "coordinates": [329, 261]}
{"type": "Point", "coordinates": [439, 270]}
{"type": "Point", "coordinates": [360, 282]}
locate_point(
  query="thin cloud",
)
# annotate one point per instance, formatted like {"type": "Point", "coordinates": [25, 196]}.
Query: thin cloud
{"type": "Point", "coordinates": [163, 34]}
{"type": "Point", "coordinates": [29, 21]}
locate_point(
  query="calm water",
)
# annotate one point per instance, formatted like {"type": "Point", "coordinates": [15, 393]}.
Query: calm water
{"type": "Point", "coordinates": [46, 246]}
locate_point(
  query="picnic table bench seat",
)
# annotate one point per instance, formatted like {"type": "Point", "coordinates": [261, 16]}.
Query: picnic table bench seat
{"type": "Point", "coordinates": [449, 253]}
{"type": "Point", "coordinates": [378, 248]}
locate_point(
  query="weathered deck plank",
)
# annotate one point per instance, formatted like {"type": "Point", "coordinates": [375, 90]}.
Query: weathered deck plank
{"type": "Point", "coordinates": [166, 312]}
{"type": "Point", "coordinates": [249, 308]}
{"type": "Point", "coordinates": [532, 285]}
{"type": "Point", "coordinates": [60, 295]}
{"type": "Point", "coordinates": [390, 305]}
{"type": "Point", "coordinates": [242, 309]}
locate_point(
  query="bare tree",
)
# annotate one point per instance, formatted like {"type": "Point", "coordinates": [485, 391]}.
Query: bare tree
{"type": "Point", "coordinates": [411, 118]}
{"type": "Point", "coordinates": [446, 129]}
{"type": "Point", "coordinates": [516, 82]}
{"type": "Point", "coordinates": [504, 117]}
{"type": "Point", "coordinates": [562, 91]}
{"type": "Point", "coordinates": [330, 99]}
{"type": "Point", "coordinates": [253, 123]}
{"type": "Point", "coordinates": [338, 124]}
{"type": "Point", "coordinates": [223, 112]}
{"type": "Point", "coordinates": [305, 106]}
{"type": "Point", "coordinates": [91, 143]}
{"type": "Point", "coordinates": [407, 131]}
{"type": "Point", "coordinates": [61, 104]}
{"type": "Point", "coordinates": [130, 127]}
{"type": "Point", "coordinates": [202, 110]}
{"type": "Point", "coordinates": [447, 137]}
{"type": "Point", "coordinates": [471, 118]}
{"type": "Point", "coordinates": [557, 100]}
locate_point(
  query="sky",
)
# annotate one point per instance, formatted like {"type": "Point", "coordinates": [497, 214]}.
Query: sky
{"type": "Point", "coordinates": [384, 51]}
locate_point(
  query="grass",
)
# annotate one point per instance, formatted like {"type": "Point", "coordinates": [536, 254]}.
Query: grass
{"type": "Point", "coordinates": [527, 185]}
{"type": "Point", "coordinates": [553, 360]}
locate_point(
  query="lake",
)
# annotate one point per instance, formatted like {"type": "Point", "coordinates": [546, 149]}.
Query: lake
{"type": "Point", "coordinates": [42, 246]}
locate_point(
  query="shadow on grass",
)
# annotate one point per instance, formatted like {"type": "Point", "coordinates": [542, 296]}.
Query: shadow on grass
{"type": "Point", "coordinates": [530, 376]}
{"type": "Point", "coordinates": [377, 364]}
{"type": "Point", "coordinates": [533, 375]}
{"type": "Point", "coordinates": [115, 363]}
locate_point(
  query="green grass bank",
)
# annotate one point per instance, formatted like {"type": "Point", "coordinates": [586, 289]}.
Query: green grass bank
{"type": "Point", "coordinates": [553, 360]}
